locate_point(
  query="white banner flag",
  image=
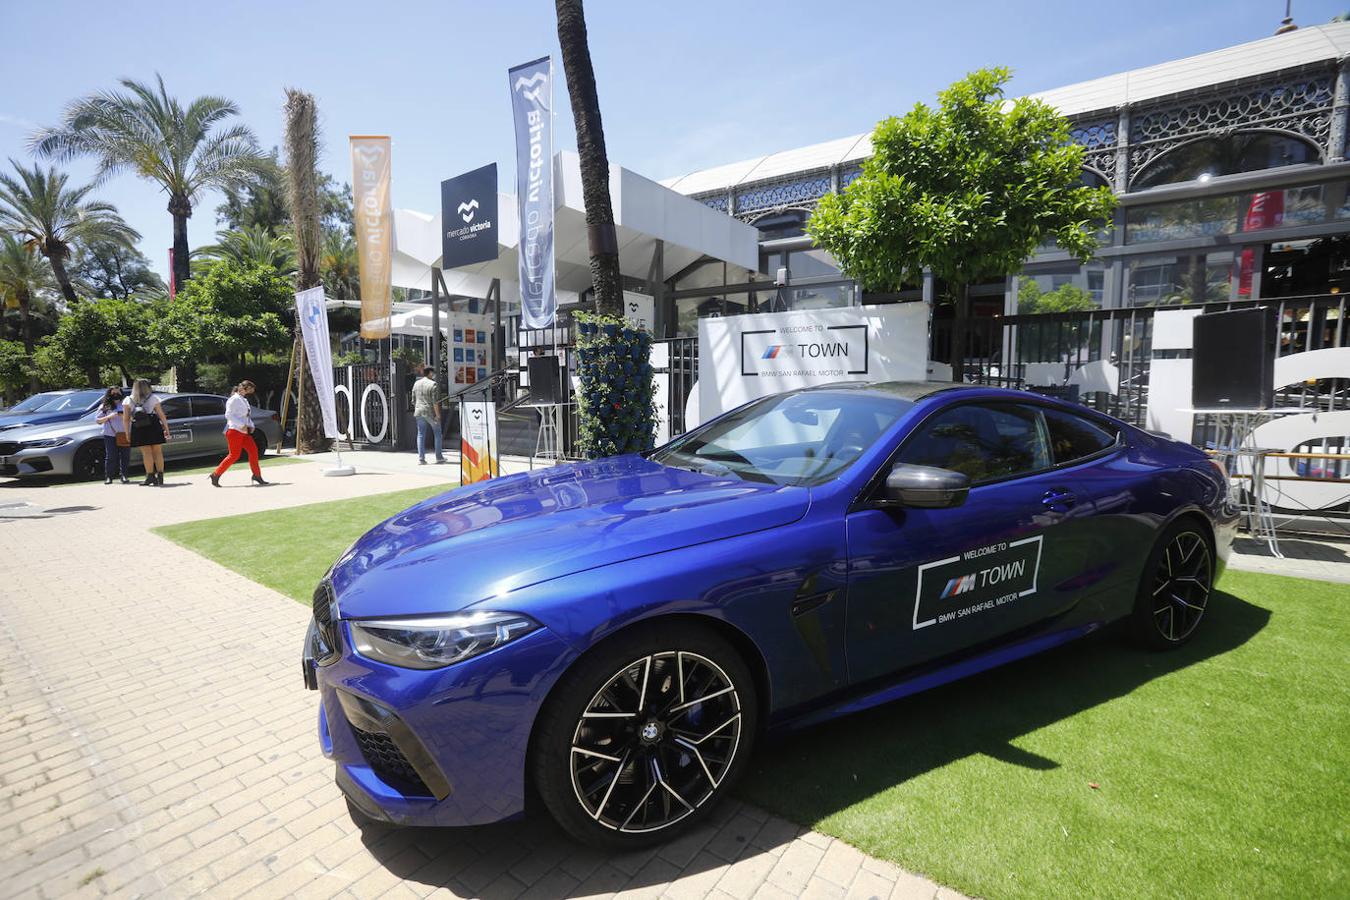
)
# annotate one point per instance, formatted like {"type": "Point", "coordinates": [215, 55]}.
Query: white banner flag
{"type": "Point", "coordinates": [312, 315]}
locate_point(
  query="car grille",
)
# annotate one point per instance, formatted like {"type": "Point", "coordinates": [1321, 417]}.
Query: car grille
{"type": "Point", "coordinates": [325, 623]}
{"type": "Point", "coordinates": [389, 763]}
{"type": "Point", "coordinates": [9, 448]}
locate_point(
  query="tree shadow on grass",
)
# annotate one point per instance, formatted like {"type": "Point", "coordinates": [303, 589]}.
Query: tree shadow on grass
{"type": "Point", "coordinates": [847, 761]}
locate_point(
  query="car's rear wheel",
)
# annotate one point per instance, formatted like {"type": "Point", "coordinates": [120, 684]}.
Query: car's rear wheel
{"type": "Point", "coordinates": [645, 735]}
{"type": "Point", "coordinates": [89, 461]}
{"type": "Point", "coordinates": [1175, 587]}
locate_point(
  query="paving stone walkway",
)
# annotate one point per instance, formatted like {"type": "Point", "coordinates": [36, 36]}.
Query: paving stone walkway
{"type": "Point", "coordinates": [155, 739]}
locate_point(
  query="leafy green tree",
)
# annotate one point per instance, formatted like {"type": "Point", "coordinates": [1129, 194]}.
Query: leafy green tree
{"type": "Point", "coordinates": [968, 190]}
{"type": "Point", "coordinates": [340, 267]}
{"type": "Point", "coordinates": [263, 203]}
{"type": "Point", "coordinates": [183, 149]}
{"type": "Point", "coordinates": [225, 313]}
{"type": "Point", "coordinates": [16, 371]}
{"type": "Point", "coordinates": [106, 334]}
{"type": "Point", "coordinates": [110, 269]}
{"type": "Point", "coordinates": [24, 280]}
{"type": "Point", "coordinates": [50, 217]}
{"type": "Point", "coordinates": [1065, 298]}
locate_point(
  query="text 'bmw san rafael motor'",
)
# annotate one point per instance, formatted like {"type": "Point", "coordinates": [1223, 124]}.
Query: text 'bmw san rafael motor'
{"type": "Point", "coordinates": [617, 634]}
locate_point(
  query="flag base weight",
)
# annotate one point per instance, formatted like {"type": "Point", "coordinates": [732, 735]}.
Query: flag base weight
{"type": "Point", "coordinates": [339, 471]}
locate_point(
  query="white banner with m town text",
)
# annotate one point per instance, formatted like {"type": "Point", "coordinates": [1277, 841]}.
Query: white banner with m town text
{"type": "Point", "coordinates": [741, 358]}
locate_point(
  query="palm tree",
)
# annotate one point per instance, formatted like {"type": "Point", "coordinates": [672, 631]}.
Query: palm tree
{"type": "Point", "coordinates": [252, 245]}
{"type": "Point", "coordinates": [38, 207]}
{"type": "Point", "coordinates": [145, 131]}
{"type": "Point", "coordinates": [604, 245]}
{"type": "Point", "coordinates": [302, 150]}
{"type": "Point", "coordinates": [340, 266]}
{"type": "Point", "coordinates": [24, 278]}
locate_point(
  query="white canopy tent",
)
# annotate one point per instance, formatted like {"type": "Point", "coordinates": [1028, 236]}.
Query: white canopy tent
{"type": "Point", "coordinates": [645, 213]}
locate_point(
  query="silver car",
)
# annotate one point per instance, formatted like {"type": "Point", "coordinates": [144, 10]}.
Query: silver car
{"type": "Point", "coordinates": [196, 428]}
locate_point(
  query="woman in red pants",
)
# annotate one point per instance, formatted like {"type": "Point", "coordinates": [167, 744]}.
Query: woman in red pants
{"type": "Point", "coordinates": [239, 433]}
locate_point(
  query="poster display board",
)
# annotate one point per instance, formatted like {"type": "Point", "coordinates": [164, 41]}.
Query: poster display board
{"type": "Point", "coordinates": [479, 456]}
{"type": "Point", "coordinates": [741, 358]}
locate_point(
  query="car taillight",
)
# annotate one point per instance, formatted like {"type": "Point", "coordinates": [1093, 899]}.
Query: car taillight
{"type": "Point", "coordinates": [276, 417]}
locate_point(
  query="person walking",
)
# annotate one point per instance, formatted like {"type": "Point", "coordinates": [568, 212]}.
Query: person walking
{"type": "Point", "coordinates": [427, 411]}
{"type": "Point", "coordinates": [143, 418]}
{"type": "Point", "coordinates": [239, 433]}
{"type": "Point", "coordinates": [116, 441]}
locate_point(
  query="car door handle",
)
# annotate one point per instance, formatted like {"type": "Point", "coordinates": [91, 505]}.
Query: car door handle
{"type": "Point", "coordinates": [1058, 497]}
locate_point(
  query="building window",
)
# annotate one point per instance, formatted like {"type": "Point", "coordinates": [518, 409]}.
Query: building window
{"type": "Point", "coordinates": [1081, 288]}
{"type": "Point", "coordinates": [1235, 213]}
{"type": "Point", "coordinates": [1208, 158]}
{"type": "Point", "coordinates": [1175, 280]}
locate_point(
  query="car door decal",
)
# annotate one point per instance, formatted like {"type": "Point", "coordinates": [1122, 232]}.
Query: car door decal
{"type": "Point", "coordinates": [976, 581]}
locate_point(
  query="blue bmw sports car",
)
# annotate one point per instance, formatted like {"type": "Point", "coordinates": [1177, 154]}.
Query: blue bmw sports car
{"type": "Point", "coordinates": [616, 635]}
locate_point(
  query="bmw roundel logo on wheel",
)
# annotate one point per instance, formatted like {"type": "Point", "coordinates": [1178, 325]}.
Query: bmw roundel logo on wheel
{"type": "Point", "coordinates": [617, 635]}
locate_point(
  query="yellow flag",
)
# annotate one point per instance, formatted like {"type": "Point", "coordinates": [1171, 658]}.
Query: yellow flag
{"type": "Point", "coordinates": [374, 230]}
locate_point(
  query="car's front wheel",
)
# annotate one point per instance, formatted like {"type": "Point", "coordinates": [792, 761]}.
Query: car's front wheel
{"type": "Point", "coordinates": [89, 461]}
{"type": "Point", "coordinates": [1175, 587]}
{"type": "Point", "coordinates": [645, 735]}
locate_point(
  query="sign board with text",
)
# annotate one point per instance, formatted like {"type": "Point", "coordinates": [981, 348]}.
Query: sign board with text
{"type": "Point", "coordinates": [741, 358]}
{"type": "Point", "coordinates": [469, 218]}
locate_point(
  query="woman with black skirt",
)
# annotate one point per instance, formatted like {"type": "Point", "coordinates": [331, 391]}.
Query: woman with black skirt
{"type": "Point", "coordinates": [145, 421]}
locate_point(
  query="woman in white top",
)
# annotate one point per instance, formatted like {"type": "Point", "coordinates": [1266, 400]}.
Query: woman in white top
{"type": "Point", "coordinates": [239, 434]}
{"type": "Point", "coordinates": [144, 419]}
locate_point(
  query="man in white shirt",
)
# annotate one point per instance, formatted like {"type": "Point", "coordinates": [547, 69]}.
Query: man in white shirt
{"type": "Point", "coordinates": [239, 433]}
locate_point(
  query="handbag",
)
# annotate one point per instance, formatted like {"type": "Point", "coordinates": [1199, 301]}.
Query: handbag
{"type": "Point", "coordinates": [123, 439]}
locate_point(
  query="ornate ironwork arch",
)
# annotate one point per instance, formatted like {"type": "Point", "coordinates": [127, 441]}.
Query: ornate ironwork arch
{"type": "Point", "coordinates": [1158, 158]}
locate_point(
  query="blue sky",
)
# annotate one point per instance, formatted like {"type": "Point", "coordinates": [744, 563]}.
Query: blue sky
{"type": "Point", "coordinates": [683, 85]}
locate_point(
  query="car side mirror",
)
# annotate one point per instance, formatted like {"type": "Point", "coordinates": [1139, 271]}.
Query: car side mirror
{"type": "Point", "coordinates": [923, 487]}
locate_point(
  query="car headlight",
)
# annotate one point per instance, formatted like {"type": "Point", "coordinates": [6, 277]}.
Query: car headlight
{"type": "Point", "coordinates": [45, 443]}
{"type": "Point", "coordinates": [436, 642]}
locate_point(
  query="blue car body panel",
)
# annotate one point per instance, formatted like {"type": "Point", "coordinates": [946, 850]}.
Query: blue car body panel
{"type": "Point", "coordinates": [830, 600]}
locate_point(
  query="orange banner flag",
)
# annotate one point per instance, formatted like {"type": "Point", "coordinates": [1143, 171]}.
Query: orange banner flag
{"type": "Point", "coordinates": [374, 216]}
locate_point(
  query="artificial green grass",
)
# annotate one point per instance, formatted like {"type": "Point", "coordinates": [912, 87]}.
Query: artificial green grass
{"type": "Point", "coordinates": [1096, 770]}
{"type": "Point", "coordinates": [1221, 769]}
{"type": "Point", "coordinates": [288, 550]}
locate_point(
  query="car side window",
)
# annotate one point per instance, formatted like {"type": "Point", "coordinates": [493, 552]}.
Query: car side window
{"type": "Point", "coordinates": [208, 406]}
{"type": "Point", "coordinates": [984, 442]}
{"type": "Point", "coordinates": [177, 408]}
{"type": "Point", "coordinates": [1073, 437]}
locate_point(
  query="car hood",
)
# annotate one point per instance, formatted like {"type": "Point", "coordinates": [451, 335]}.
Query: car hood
{"type": "Point", "coordinates": [489, 539]}
{"type": "Point", "coordinates": [49, 430]}
{"type": "Point", "coordinates": [14, 421]}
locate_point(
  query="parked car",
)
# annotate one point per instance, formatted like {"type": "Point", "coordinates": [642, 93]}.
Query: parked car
{"type": "Point", "coordinates": [618, 634]}
{"type": "Point", "coordinates": [196, 428]}
{"type": "Point", "coordinates": [60, 406]}
{"type": "Point", "coordinates": [28, 404]}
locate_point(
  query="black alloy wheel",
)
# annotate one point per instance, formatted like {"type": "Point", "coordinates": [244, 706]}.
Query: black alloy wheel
{"type": "Point", "coordinates": [1175, 589]}
{"type": "Point", "coordinates": [89, 461]}
{"type": "Point", "coordinates": [641, 742]}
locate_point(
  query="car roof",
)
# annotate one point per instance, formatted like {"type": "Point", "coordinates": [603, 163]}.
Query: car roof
{"type": "Point", "coordinates": [905, 390]}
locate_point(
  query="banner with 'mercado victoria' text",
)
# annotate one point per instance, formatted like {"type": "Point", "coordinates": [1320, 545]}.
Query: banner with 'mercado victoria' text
{"type": "Point", "coordinates": [531, 99]}
{"type": "Point", "coordinates": [374, 218]}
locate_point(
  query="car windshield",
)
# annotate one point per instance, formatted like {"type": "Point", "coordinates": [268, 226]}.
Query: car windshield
{"type": "Point", "coordinates": [34, 402]}
{"type": "Point", "coordinates": [793, 439]}
{"type": "Point", "coordinates": [73, 400]}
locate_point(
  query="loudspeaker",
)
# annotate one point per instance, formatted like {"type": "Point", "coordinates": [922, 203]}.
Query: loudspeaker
{"type": "Point", "coordinates": [1233, 363]}
{"type": "Point", "coordinates": [545, 385]}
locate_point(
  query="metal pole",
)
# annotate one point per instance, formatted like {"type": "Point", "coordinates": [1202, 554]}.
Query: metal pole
{"type": "Point", "coordinates": [435, 355]}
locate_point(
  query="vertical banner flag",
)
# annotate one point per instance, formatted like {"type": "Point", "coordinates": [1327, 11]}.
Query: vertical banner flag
{"type": "Point", "coordinates": [478, 453]}
{"type": "Point", "coordinates": [374, 217]}
{"type": "Point", "coordinates": [312, 315]}
{"type": "Point", "coordinates": [531, 99]}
